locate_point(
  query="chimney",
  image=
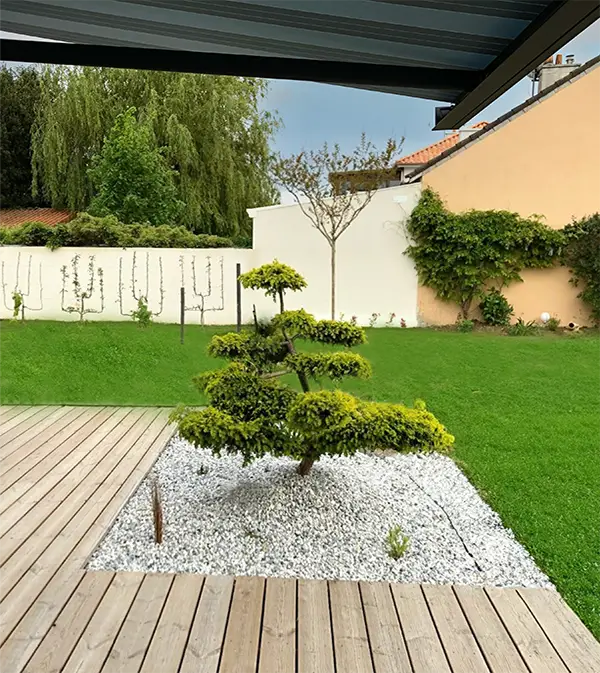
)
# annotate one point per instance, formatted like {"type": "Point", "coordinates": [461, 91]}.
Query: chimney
{"type": "Point", "coordinates": [554, 69]}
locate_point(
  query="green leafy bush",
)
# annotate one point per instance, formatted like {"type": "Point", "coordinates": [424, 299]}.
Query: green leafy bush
{"type": "Point", "coordinates": [142, 314]}
{"type": "Point", "coordinates": [495, 308]}
{"type": "Point", "coordinates": [459, 254]}
{"type": "Point", "coordinates": [582, 255]}
{"type": "Point", "coordinates": [522, 328]}
{"type": "Point", "coordinates": [88, 231]}
{"type": "Point", "coordinates": [553, 324]}
{"type": "Point", "coordinates": [465, 325]}
{"type": "Point", "coordinates": [252, 412]}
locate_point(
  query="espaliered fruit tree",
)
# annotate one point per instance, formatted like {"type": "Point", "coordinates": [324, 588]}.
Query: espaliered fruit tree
{"type": "Point", "coordinates": [253, 412]}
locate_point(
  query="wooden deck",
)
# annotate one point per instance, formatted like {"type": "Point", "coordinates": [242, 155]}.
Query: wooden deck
{"type": "Point", "coordinates": [64, 474]}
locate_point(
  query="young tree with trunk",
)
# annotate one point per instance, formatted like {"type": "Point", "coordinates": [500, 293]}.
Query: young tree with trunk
{"type": "Point", "coordinates": [252, 412]}
{"type": "Point", "coordinates": [332, 188]}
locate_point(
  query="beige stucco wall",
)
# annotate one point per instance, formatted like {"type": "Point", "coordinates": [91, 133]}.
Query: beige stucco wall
{"type": "Point", "coordinates": [545, 161]}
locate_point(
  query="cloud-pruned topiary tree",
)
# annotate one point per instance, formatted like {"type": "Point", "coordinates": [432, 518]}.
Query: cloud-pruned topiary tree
{"type": "Point", "coordinates": [252, 412]}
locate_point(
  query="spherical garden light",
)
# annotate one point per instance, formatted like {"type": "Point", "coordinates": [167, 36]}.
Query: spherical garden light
{"type": "Point", "coordinates": [545, 317]}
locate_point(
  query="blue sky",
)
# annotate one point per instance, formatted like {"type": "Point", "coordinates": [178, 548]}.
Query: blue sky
{"type": "Point", "coordinates": [315, 113]}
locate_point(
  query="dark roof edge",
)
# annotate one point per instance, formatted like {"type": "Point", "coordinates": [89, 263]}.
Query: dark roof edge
{"type": "Point", "coordinates": [588, 65]}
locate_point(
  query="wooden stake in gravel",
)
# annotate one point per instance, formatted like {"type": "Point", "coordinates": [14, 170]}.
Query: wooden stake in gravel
{"type": "Point", "coordinates": [157, 513]}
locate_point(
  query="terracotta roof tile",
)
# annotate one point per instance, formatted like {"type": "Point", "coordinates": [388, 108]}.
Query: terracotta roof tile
{"type": "Point", "coordinates": [13, 217]}
{"type": "Point", "coordinates": [431, 151]}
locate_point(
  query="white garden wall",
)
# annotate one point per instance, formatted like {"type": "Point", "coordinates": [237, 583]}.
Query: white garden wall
{"type": "Point", "coordinates": [373, 274]}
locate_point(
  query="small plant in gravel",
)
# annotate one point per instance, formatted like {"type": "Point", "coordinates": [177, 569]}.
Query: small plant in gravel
{"type": "Point", "coordinates": [522, 328]}
{"type": "Point", "coordinates": [253, 413]}
{"type": "Point", "coordinates": [495, 309]}
{"type": "Point", "coordinates": [397, 543]}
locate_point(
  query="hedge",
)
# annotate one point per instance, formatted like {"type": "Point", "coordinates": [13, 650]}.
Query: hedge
{"type": "Point", "coordinates": [87, 231]}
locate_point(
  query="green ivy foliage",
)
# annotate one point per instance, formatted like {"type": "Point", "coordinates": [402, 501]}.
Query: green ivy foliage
{"type": "Point", "coordinates": [582, 255]}
{"type": "Point", "coordinates": [254, 412]}
{"type": "Point", "coordinates": [88, 231]}
{"type": "Point", "coordinates": [459, 254]}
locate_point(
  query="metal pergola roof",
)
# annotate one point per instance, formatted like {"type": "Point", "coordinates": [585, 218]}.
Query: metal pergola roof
{"type": "Point", "coordinates": [463, 52]}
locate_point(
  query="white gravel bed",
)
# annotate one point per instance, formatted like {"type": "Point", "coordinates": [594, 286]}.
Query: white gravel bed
{"type": "Point", "coordinates": [265, 519]}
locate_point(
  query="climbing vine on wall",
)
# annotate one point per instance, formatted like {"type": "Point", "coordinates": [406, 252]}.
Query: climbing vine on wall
{"type": "Point", "coordinates": [460, 255]}
{"type": "Point", "coordinates": [582, 255]}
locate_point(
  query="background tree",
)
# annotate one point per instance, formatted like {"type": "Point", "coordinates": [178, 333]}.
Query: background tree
{"type": "Point", "coordinates": [19, 95]}
{"type": "Point", "coordinates": [332, 188]}
{"type": "Point", "coordinates": [132, 179]}
{"type": "Point", "coordinates": [212, 128]}
{"type": "Point", "coordinates": [252, 412]}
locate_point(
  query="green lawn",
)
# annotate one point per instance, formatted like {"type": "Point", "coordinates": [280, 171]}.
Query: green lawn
{"type": "Point", "coordinates": [525, 413]}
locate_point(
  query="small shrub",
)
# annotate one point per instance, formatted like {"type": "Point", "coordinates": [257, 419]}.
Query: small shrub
{"type": "Point", "coordinates": [402, 322]}
{"type": "Point", "coordinates": [495, 309]}
{"type": "Point", "coordinates": [465, 325]}
{"type": "Point", "coordinates": [17, 298]}
{"type": "Point", "coordinates": [390, 320]}
{"type": "Point", "coordinates": [553, 324]}
{"type": "Point", "coordinates": [522, 328]}
{"type": "Point", "coordinates": [142, 315]}
{"type": "Point", "coordinates": [397, 543]}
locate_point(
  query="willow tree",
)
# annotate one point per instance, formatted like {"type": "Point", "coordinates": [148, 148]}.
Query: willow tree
{"type": "Point", "coordinates": [212, 129]}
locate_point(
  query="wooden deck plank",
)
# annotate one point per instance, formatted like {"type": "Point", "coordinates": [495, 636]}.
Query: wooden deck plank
{"type": "Point", "coordinates": [96, 640]}
{"type": "Point", "coordinates": [457, 638]}
{"type": "Point", "coordinates": [169, 640]}
{"type": "Point", "coordinates": [56, 481]}
{"type": "Point", "coordinates": [37, 448]}
{"type": "Point", "coordinates": [49, 440]}
{"type": "Point", "coordinates": [424, 647]}
{"type": "Point", "coordinates": [56, 647]}
{"type": "Point", "coordinates": [575, 644]}
{"type": "Point", "coordinates": [11, 412]}
{"type": "Point", "coordinates": [495, 643]}
{"type": "Point", "coordinates": [385, 635]}
{"type": "Point", "coordinates": [21, 423]}
{"type": "Point", "coordinates": [278, 640]}
{"type": "Point", "coordinates": [8, 412]}
{"type": "Point", "coordinates": [240, 647]}
{"type": "Point", "coordinates": [46, 424]}
{"type": "Point", "coordinates": [80, 537]}
{"type": "Point", "coordinates": [207, 633]}
{"type": "Point", "coordinates": [350, 640]}
{"type": "Point", "coordinates": [67, 483]}
{"type": "Point", "coordinates": [536, 650]}
{"type": "Point", "coordinates": [315, 641]}
{"type": "Point", "coordinates": [129, 649]}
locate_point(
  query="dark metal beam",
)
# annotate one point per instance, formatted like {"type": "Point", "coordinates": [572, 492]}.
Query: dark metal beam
{"type": "Point", "coordinates": [553, 29]}
{"type": "Point", "coordinates": [330, 72]}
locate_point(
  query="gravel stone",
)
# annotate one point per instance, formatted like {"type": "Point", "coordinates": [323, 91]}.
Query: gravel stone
{"type": "Point", "coordinates": [265, 519]}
